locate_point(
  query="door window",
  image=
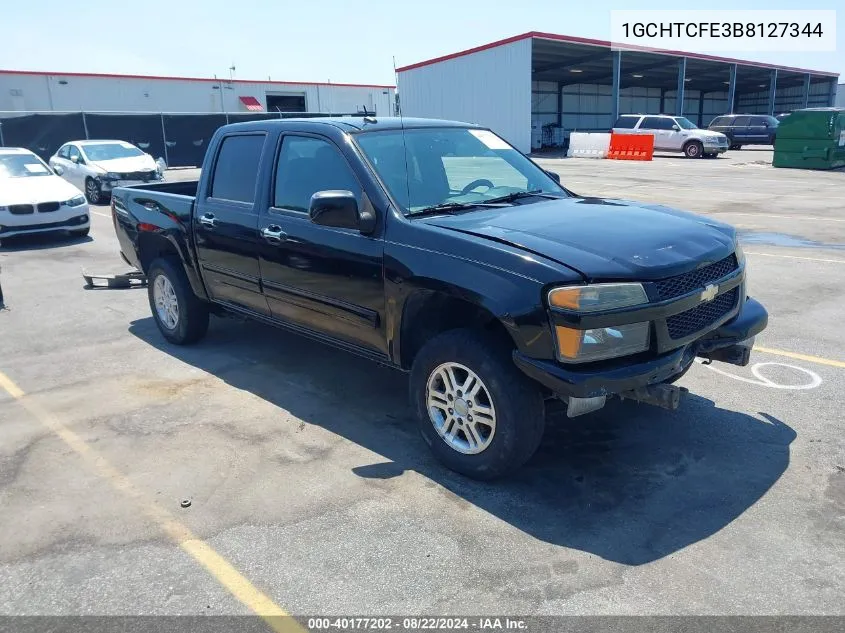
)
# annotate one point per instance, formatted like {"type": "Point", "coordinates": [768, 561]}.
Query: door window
{"type": "Point", "coordinates": [64, 152]}
{"type": "Point", "coordinates": [742, 121]}
{"type": "Point", "coordinates": [74, 152]}
{"type": "Point", "coordinates": [236, 170]}
{"type": "Point", "coordinates": [307, 165]}
{"type": "Point", "coordinates": [656, 123]}
{"type": "Point", "coordinates": [759, 121]}
{"type": "Point", "coordinates": [721, 121]}
{"type": "Point", "coordinates": [626, 122]}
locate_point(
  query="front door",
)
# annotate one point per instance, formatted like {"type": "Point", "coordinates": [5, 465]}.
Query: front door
{"type": "Point", "coordinates": [74, 168]}
{"type": "Point", "coordinates": [326, 279]}
{"type": "Point", "coordinates": [226, 224]}
{"type": "Point", "coordinates": [741, 129]}
{"type": "Point", "coordinates": [661, 128]}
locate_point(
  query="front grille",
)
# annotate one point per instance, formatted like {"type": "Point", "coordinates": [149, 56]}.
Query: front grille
{"type": "Point", "coordinates": [48, 207]}
{"type": "Point", "coordinates": [693, 280]}
{"type": "Point", "coordinates": [138, 175]}
{"type": "Point", "coordinates": [21, 209]}
{"type": "Point", "coordinates": [702, 315]}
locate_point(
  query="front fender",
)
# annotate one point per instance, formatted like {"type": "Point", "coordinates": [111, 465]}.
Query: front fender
{"type": "Point", "coordinates": [513, 299]}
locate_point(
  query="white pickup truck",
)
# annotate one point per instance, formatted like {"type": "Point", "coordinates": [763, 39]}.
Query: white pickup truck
{"type": "Point", "coordinates": [673, 134]}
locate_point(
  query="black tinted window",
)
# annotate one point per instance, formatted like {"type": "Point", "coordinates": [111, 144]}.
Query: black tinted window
{"type": "Point", "coordinates": [308, 165]}
{"type": "Point", "coordinates": [656, 123]}
{"type": "Point", "coordinates": [236, 170]}
{"type": "Point", "coordinates": [742, 121]}
{"type": "Point", "coordinates": [721, 121]}
{"type": "Point", "coordinates": [760, 121]}
{"type": "Point", "coordinates": [627, 122]}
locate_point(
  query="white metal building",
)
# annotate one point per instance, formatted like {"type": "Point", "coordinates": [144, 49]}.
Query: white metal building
{"type": "Point", "coordinates": [536, 87]}
{"type": "Point", "coordinates": [22, 91]}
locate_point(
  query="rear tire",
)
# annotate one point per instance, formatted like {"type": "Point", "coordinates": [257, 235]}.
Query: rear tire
{"type": "Point", "coordinates": [181, 317]}
{"type": "Point", "coordinates": [736, 146]}
{"type": "Point", "coordinates": [508, 407]}
{"type": "Point", "coordinates": [693, 149]}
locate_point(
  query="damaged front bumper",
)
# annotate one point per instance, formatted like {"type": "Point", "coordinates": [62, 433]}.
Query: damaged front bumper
{"type": "Point", "coordinates": [586, 389]}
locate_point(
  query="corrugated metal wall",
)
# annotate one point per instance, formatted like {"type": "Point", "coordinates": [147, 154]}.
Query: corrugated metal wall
{"type": "Point", "coordinates": [786, 99]}
{"type": "Point", "coordinates": [491, 87]}
{"type": "Point", "coordinates": [587, 107]}
{"type": "Point", "coordinates": [123, 94]}
{"type": "Point", "coordinates": [840, 96]}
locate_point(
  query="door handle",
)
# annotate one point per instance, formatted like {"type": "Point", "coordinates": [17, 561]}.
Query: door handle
{"type": "Point", "coordinates": [274, 234]}
{"type": "Point", "coordinates": [207, 220]}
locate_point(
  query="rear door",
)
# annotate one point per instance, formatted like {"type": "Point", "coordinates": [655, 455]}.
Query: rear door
{"type": "Point", "coordinates": [741, 129]}
{"type": "Point", "coordinates": [226, 223]}
{"type": "Point", "coordinates": [326, 279]}
{"type": "Point", "coordinates": [721, 124]}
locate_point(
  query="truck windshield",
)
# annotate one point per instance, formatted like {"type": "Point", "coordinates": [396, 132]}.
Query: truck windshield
{"type": "Point", "coordinates": [429, 167]}
{"type": "Point", "coordinates": [110, 151]}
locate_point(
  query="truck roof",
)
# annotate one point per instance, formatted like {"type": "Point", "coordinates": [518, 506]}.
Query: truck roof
{"type": "Point", "coordinates": [353, 124]}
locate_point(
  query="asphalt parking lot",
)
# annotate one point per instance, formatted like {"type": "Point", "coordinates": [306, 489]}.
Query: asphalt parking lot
{"type": "Point", "coordinates": [310, 491]}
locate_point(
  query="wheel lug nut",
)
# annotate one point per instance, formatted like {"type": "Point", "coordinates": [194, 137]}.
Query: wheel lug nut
{"type": "Point", "coordinates": [469, 403]}
{"type": "Point", "coordinates": [450, 396]}
{"type": "Point", "coordinates": [460, 394]}
{"type": "Point", "coordinates": [469, 418]}
{"type": "Point", "coordinates": [451, 412]}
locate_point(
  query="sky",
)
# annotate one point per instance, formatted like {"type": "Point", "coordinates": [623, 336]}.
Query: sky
{"type": "Point", "coordinates": [322, 40]}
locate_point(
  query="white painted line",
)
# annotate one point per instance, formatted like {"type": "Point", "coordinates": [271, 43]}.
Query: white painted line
{"type": "Point", "coordinates": [105, 215]}
{"type": "Point", "coordinates": [775, 215]}
{"type": "Point", "coordinates": [809, 259]}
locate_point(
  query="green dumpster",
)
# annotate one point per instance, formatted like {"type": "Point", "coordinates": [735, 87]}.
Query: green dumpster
{"type": "Point", "coordinates": [813, 138]}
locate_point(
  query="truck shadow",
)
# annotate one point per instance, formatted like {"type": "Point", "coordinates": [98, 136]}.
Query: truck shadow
{"type": "Point", "coordinates": [630, 484]}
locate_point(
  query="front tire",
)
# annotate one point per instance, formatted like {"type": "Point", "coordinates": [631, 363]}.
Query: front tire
{"type": "Point", "coordinates": [180, 316]}
{"type": "Point", "coordinates": [477, 412]}
{"type": "Point", "coordinates": [92, 191]}
{"type": "Point", "coordinates": [693, 149]}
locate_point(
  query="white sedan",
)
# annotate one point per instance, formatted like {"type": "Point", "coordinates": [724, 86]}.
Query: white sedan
{"type": "Point", "coordinates": [35, 200]}
{"type": "Point", "coordinates": [97, 167]}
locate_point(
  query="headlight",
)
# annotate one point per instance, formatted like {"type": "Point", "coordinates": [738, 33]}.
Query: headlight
{"type": "Point", "coordinates": [74, 202]}
{"type": "Point", "coordinates": [740, 255]}
{"type": "Point", "coordinates": [597, 297]}
{"type": "Point", "coordinates": [582, 346]}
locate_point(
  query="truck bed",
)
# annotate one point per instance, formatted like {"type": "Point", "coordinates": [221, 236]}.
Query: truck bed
{"type": "Point", "coordinates": [179, 187]}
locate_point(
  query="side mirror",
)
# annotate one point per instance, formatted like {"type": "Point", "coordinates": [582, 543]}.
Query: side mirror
{"type": "Point", "coordinates": [57, 169]}
{"type": "Point", "coordinates": [74, 160]}
{"type": "Point", "coordinates": [676, 128]}
{"type": "Point", "coordinates": [337, 208]}
{"type": "Point", "coordinates": [554, 176]}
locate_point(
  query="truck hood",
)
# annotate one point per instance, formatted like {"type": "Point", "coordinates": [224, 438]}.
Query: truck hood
{"type": "Point", "coordinates": [127, 165]}
{"type": "Point", "coordinates": [600, 238]}
{"type": "Point", "coordinates": [35, 189]}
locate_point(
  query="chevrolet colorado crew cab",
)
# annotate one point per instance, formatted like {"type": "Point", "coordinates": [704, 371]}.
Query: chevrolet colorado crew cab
{"type": "Point", "coordinates": [437, 248]}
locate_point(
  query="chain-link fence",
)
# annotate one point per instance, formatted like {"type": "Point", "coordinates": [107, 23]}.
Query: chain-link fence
{"type": "Point", "coordinates": [179, 140]}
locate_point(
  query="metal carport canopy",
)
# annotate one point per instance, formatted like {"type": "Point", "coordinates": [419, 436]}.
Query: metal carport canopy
{"type": "Point", "coordinates": [576, 60]}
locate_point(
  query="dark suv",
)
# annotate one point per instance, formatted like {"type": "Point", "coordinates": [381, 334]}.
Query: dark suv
{"type": "Point", "coordinates": [746, 129]}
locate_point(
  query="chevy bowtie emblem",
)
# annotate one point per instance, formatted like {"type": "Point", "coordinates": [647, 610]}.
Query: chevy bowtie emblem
{"type": "Point", "coordinates": [709, 293]}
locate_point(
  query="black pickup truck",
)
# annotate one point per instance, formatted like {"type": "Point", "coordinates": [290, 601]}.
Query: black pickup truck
{"type": "Point", "coordinates": [437, 248]}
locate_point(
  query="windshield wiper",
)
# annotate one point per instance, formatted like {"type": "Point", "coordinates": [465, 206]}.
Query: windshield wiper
{"type": "Point", "coordinates": [451, 207]}
{"type": "Point", "coordinates": [536, 193]}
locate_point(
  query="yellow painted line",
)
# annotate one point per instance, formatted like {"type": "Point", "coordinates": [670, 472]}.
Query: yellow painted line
{"type": "Point", "coordinates": [809, 259]}
{"type": "Point", "coordinates": [216, 565]}
{"type": "Point", "coordinates": [810, 359]}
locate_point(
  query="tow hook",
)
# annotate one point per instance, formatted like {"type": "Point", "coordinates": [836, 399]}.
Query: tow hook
{"type": "Point", "coordinates": [663, 396]}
